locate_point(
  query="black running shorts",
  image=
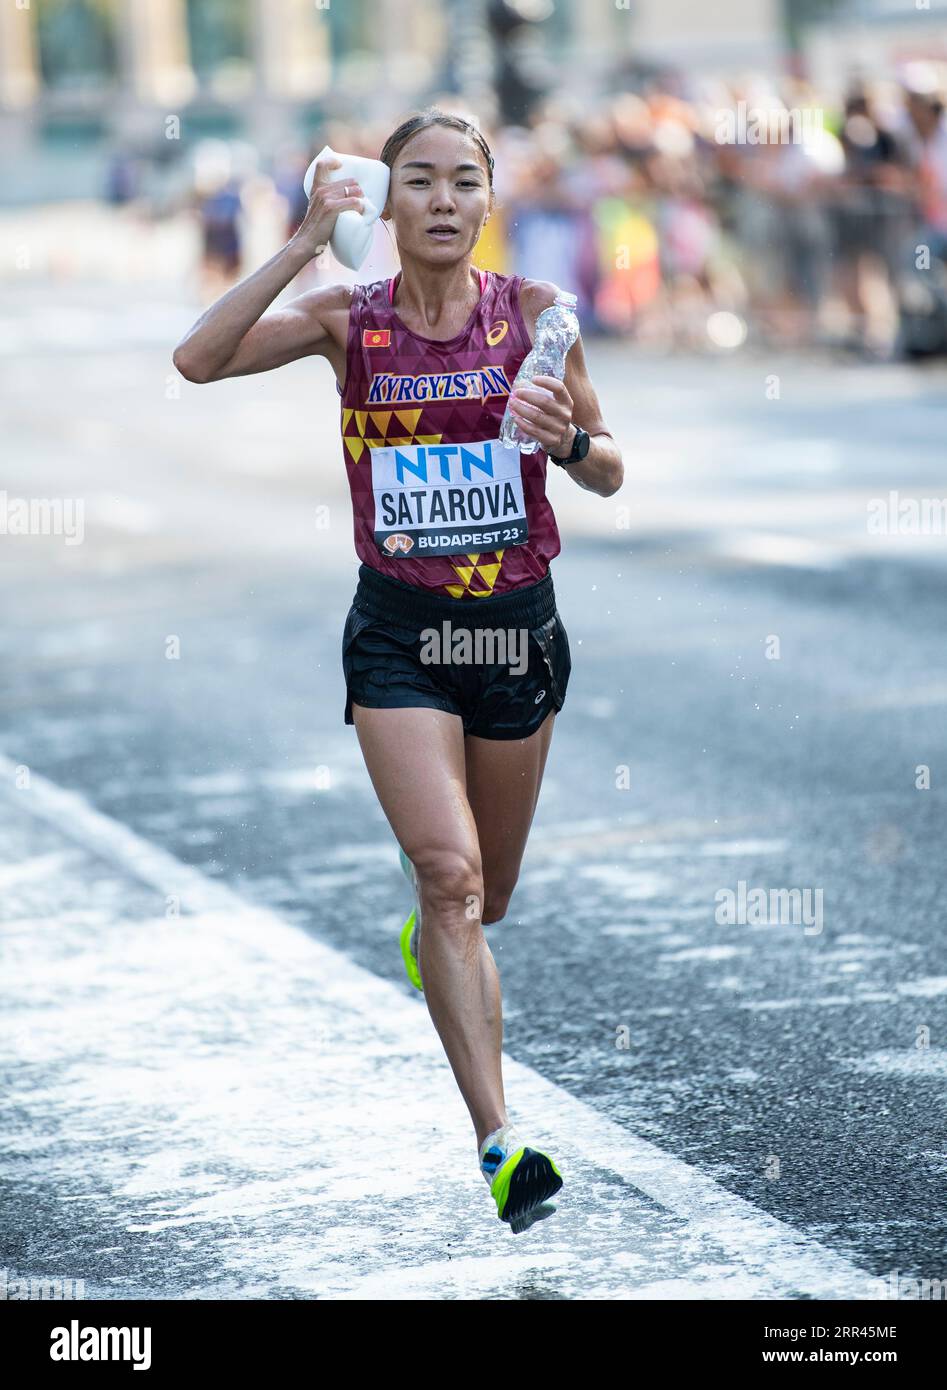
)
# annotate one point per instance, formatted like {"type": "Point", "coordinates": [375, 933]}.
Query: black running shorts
{"type": "Point", "coordinates": [501, 663]}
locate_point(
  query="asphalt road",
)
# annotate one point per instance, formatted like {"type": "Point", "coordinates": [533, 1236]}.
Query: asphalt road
{"type": "Point", "coordinates": [801, 1068]}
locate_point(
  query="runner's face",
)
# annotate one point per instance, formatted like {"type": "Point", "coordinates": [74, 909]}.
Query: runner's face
{"type": "Point", "coordinates": [441, 192]}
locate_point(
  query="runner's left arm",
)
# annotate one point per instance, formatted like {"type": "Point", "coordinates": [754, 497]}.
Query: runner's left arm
{"type": "Point", "coordinates": [547, 410]}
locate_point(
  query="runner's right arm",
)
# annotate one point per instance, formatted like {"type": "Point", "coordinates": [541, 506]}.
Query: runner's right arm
{"type": "Point", "coordinates": [294, 331]}
{"type": "Point", "coordinates": [235, 337]}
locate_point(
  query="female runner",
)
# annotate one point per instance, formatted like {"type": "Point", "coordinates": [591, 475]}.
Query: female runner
{"type": "Point", "coordinates": [455, 658]}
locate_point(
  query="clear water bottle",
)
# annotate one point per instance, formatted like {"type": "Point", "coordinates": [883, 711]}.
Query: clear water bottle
{"type": "Point", "coordinates": [556, 330]}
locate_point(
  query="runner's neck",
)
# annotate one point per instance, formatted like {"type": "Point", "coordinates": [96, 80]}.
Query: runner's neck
{"type": "Point", "coordinates": [391, 284]}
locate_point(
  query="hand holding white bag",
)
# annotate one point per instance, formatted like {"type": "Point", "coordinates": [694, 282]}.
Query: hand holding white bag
{"type": "Point", "coordinates": [352, 234]}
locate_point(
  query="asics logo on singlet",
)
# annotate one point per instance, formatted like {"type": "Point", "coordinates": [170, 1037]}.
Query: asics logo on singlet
{"type": "Point", "coordinates": [474, 384]}
{"type": "Point", "coordinates": [540, 696]}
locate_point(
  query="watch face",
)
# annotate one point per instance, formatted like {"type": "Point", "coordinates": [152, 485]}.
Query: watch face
{"type": "Point", "coordinates": [582, 442]}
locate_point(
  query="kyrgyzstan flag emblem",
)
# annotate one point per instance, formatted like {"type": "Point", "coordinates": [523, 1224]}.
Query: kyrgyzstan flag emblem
{"type": "Point", "coordinates": [376, 337]}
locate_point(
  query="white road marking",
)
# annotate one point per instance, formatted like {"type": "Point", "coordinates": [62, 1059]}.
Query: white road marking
{"type": "Point", "coordinates": [38, 867]}
{"type": "Point", "coordinates": [766, 1257]}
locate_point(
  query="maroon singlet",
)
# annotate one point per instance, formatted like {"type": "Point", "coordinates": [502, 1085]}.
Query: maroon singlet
{"type": "Point", "coordinates": [467, 522]}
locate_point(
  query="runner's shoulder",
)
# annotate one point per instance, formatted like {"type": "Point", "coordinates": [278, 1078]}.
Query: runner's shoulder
{"type": "Point", "coordinates": [325, 311]}
{"type": "Point", "coordinates": [325, 299]}
{"type": "Point", "coordinates": [535, 296]}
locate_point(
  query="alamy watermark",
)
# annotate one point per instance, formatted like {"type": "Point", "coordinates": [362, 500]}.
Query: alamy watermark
{"type": "Point", "coordinates": [90, 1343]}
{"type": "Point", "coordinates": [895, 515]}
{"type": "Point", "coordinates": [482, 646]}
{"type": "Point", "coordinates": [762, 125]}
{"type": "Point", "coordinates": [30, 1288]}
{"type": "Point", "coordinates": [903, 1287]}
{"type": "Point", "coordinates": [759, 907]}
{"type": "Point", "coordinates": [42, 516]}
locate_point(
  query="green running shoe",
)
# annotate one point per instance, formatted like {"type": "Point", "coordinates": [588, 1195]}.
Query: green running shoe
{"type": "Point", "coordinates": [409, 949]}
{"type": "Point", "coordinates": [521, 1179]}
{"type": "Point", "coordinates": [411, 929]}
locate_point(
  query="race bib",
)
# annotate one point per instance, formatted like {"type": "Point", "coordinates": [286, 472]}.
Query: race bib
{"type": "Point", "coordinates": [447, 499]}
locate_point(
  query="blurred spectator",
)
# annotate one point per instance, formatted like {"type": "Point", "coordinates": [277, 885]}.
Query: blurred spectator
{"type": "Point", "coordinates": [926, 137]}
{"type": "Point", "coordinates": [636, 202]}
{"type": "Point", "coordinates": [121, 179]}
{"type": "Point", "coordinates": [870, 208]}
{"type": "Point", "coordinates": [289, 184]}
{"type": "Point", "coordinates": [220, 228]}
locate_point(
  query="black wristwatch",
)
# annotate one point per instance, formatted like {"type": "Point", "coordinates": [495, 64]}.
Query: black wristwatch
{"type": "Point", "coordinates": [580, 447]}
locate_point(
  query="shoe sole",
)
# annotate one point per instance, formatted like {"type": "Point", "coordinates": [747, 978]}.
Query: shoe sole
{"type": "Point", "coordinates": [525, 1181]}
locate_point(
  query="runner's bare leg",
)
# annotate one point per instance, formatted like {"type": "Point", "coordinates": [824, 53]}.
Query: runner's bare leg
{"type": "Point", "coordinates": [415, 759]}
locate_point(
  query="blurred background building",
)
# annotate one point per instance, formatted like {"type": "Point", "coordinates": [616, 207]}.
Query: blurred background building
{"type": "Point", "coordinates": [176, 132]}
{"type": "Point", "coordinates": [77, 73]}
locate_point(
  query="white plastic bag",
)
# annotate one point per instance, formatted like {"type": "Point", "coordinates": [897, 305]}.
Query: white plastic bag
{"type": "Point", "coordinates": [352, 235]}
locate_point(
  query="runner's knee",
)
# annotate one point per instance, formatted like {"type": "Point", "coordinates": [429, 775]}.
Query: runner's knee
{"type": "Point", "coordinates": [450, 881]}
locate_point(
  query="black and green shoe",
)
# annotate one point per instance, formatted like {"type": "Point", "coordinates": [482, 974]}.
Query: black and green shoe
{"type": "Point", "coordinates": [411, 929]}
{"type": "Point", "coordinates": [522, 1183]}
